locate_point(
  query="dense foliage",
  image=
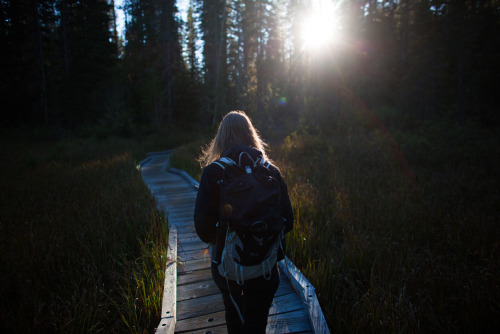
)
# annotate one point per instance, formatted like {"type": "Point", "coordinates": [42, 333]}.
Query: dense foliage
{"type": "Point", "coordinates": [64, 64]}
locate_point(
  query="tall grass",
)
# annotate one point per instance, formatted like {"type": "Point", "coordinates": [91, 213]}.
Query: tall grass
{"type": "Point", "coordinates": [392, 248]}
{"type": "Point", "coordinates": [82, 244]}
{"type": "Point", "coordinates": [186, 158]}
{"type": "Point", "coordinates": [398, 232]}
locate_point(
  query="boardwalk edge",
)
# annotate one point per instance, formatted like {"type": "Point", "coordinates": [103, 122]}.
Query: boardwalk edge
{"type": "Point", "coordinates": [169, 306]}
{"type": "Point", "coordinates": [195, 184]}
{"type": "Point", "coordinates": [306, 292]}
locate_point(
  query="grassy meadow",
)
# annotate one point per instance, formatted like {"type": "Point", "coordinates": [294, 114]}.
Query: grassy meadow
{"type": "Point", "coordinates": [398, 231]}
{"type": "Point", "coordinates": [82, 245]}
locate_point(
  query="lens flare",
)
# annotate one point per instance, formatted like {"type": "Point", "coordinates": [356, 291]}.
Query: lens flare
{"type": "Point", "coordinates": [320, 28]}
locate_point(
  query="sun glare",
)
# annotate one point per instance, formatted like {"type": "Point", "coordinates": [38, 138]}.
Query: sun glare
{"type": "Point", "coordinates": [319, 29]}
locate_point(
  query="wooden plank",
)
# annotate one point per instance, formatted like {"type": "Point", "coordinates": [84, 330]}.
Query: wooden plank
{"type": "Point", "coordinates": [180, 199]}
{"type": "Point", "coordinates": [189, 205]}
{"type": "Point", "coordinates": [176, 187]}
{"type": "Point", "coordinates": [222, 329]}
{"type": "Point", "coordinates": [192, 245]}
{"type": "Point", "coordinates": [184, 221]}
{"type": "Point", "coordinates": [185, 228]}
{"type": "Point", "coordinates": [183, 208]}
{"type": "Point", "coordinates": [194, 276]}
{"type": "Point", "coordinates": [292, 322]}
{"type": "Point", "coordinates": [181, 218]}
{"type": "Point", "coordinates": [286, 303]}
{"type": "Point", "coordinates": [197, 307]}
{"type": "Point", "coordinates": [188, 266]}
{"type": "Point", "coordinates": [187, 222]}
{"type": "Point", "coordinates": [204, 323]}
{"type": "Point", "coordinates": [196, 290]}
{"type": "Point", "coordinates": [187, 237]}
{"type": "Point", "coordinates": [193, 255]}
{"type": "Point", "coordinates": [178, 196]}
{"type": "Point", "coordinates": [285, 287]}
{"type": "Point", "coordinates": [188, 213]}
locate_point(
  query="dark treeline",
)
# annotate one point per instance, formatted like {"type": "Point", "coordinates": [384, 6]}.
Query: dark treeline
{"type": "Point", "coordinates": [64, 65]}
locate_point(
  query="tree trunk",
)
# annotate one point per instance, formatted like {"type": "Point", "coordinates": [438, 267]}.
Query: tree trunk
{"type": "Point", "coordinates": [168, 77]}
{"type": "Point", "coordinates": [115, 30]}
{"type": "Point", "coordinates": [64, 26]}
{"type": "Point", "coordinates": [43, 84]}
{"type": "Point", "coordinates": [218, 62]}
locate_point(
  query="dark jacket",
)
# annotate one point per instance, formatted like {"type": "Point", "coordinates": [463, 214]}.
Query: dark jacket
{"type": "Point", "coordinates": [206, 214]}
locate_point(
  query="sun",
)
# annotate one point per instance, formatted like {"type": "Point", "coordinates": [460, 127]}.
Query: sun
{"type": "Point", "coordinates": [319, 29]}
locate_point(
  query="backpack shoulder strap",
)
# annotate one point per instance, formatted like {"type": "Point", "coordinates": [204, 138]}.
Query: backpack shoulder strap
{"type": "Point", "coordinates": [263, 162]}
{"type": "Point", "coordinates": [224, 162]}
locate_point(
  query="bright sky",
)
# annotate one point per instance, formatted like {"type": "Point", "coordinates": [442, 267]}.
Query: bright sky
{"type": "Point", "coordinates": [120, 18]}
{"type": "Point", "coordinates": [319, 27]}
{"type": "Point", "coordinates": [182, 5]}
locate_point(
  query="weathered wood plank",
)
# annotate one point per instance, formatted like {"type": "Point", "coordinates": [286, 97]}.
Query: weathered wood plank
{"type": "Point", "coordinates": [181, 217]}
{"type": "Point", "coordinates": [292, 322]}
{"type": "Point", "coordinates": [286, 303]}
{"type": "Point", "coordinates": [194, 276]}
{"type": "Point", "coordinates": [204, 322]}
{"type": "Point", "coordinates": [185, 228]}
{"type": "Point", "coordinates": [197, 307]}
{"type": "Point", "coordinates": [181, 222]}
{"type": "Point", "coordinates": [189, 211]}
{"type": "Point", "coordinates": [192, 245]}
{"type": "Point", "coordinates": [178, 197]}
{"type": "Point", "coordinates": [187, 237]}
{"type": "Point", "coordinates": [187, 266]}
{"type": "Point", "coordinates": [184, 222]}
{"type": "Point", "coordinates": [196, 290]}
{"type": "Point", "coordinates": [284, 288]}
{"type": "Point", "coordinates": [222, 329]}
{"type": "Point", "coordinates": [193, 255]}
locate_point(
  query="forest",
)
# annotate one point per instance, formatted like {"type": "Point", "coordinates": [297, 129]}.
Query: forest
{"type": "Point", "coordinates": [65, 65]}
{"type": "Point", "coordinates": [381, 114]}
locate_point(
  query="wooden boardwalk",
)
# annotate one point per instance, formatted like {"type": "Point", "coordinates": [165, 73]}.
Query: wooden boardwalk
{"type": "Point", "coordinates": [191, 301]}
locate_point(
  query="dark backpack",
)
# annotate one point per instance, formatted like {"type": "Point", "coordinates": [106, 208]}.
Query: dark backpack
{"type": "Point", "coordinates": [250, 212]}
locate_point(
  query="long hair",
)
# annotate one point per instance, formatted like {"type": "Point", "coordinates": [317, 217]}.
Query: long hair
{"type": "Point", "coordinates": [235, 129]}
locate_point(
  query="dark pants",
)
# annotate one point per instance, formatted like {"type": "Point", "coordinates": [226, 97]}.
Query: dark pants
{"type": "Point", "coordinates": [254, 299]}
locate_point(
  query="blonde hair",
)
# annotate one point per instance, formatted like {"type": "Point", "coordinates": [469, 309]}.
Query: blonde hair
{"type": "Point", "coordinates": [235, 129]}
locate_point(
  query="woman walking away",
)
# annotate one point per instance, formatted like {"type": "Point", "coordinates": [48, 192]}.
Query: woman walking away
{"type": "Point", "coordinates": [242, 211]}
